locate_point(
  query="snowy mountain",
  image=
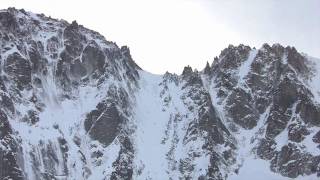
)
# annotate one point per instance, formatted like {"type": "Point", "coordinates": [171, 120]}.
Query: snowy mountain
{"type": "Point", "coordinates": [75, 106]}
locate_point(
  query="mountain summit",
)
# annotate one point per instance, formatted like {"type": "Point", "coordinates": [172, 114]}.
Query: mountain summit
{"type": "Point", "coordinates": [74, 106]}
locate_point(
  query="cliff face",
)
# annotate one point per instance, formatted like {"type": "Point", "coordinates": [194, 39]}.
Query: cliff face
{"type": "Point", "coordinates": [270, 97]}
{"type": "Point", "coordinates": [76, 106]}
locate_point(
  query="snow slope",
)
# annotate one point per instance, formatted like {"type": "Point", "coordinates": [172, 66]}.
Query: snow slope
{"type": "Point", "coordinates": [74, 106]}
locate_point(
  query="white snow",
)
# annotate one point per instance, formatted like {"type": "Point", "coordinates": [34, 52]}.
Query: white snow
{"type": "Point", "coordinates": [245, 67]}
{"type": "Point", "coordinates": [314, 82]}
{"type": "Point", "coordinates": [151, 123]}
{"type": "Point", "coordinates": [68, 115]}
{"type": "Point", "coordinates": [253, 168]}
{"type": "Point", "coordinates": [159, 135]}
{"type": "Point", "coordinates": [110, 156]}
{"type": "Point", "coordinates": [282, 139]}
{"type": "Point", "coordinates": [308, 144]}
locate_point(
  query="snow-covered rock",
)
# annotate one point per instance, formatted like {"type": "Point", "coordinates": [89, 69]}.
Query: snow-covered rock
{"type": "Point", "coordinates": [75, 106]}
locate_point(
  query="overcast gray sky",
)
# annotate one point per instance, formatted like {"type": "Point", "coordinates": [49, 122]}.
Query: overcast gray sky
{"type": "Point", "coordinates": [166, 35]}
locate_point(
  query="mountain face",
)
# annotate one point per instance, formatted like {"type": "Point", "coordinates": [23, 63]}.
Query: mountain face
{"type": "Point", "coordinates": [74, 106]}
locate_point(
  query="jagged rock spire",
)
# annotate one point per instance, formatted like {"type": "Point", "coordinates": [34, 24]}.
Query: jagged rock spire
{"type": "Point", "coordinates": [207, 68]}
{"type": "Point", "coordinates": [187, 70]}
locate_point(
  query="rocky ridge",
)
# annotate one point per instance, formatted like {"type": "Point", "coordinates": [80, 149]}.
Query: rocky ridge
{"type": "Point", "coordinates": [76, 106]}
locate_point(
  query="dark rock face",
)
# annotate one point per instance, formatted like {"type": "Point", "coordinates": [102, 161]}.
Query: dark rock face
{"type": "Point", "coordinates": [103, 123]}
{"type": "Point", "coordinates": [5, 126]}
{"type": "Point", "coordinates": [124, 162]}
{"type": "Point", "coordinates": [48, 160]}
{"type": "Point", "coordinates": [77, 69]}
{"type": "Point", "coordinates": [35, 56]}
{"type": "Point", "coordinates": [18, 69]}
{"type": "Point", "coordinates": [206, 124]}
{"type": "Point", "coordinates": [5, 101]}
{"type": "Point", "coordinates": [68, 103]}
{"type": "Point", "coordinates": [297, 132]}
{"type": "Point", "coordinates": [47, 62]}
{"type": "Point", "coordinates": [291, 162]}
{"type": "Point", "coordinates": [73, 42]}
{"type": "Point", "coordinates": [239, 101]}
{"type": "Point", "coordinates": [93, 58]}
{"type": "Point", "coordinates": [297, 61]}
{"type": "Point", "coordinates": [9, 168]}
{"type": "Point", "coordinates": [309, 112]}
{"type": "Point", "coordinates": [287, 111]}
{"type": "Point", "coordinates": [8, 21]}
{"type": "Point", "coordinates": [241, 109]}
{"type": "Point", "coordinates": [266, 149]}
{"type": "Point", "coordinates": [73, 39]}
{"type": "Point", "coordinates": [316, 137]}
{"type": "Point", "coordinates": [232, 57]}
{"type": "Point", "coordinates": [274, 89]}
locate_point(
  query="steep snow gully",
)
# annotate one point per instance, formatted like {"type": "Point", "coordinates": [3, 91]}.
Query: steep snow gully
{"type": "Point", "coordinates": [74, 106]}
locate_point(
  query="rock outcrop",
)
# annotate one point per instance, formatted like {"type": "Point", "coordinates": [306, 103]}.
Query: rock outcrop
{"type": "Point", "coordinates": [75, 106]}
